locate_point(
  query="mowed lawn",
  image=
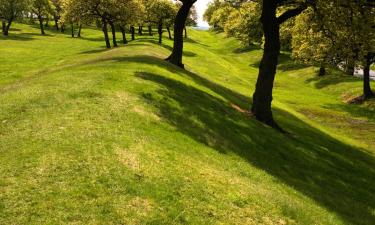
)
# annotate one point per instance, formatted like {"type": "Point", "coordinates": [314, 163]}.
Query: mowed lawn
{"type": "Point", "coordinates": [96, 136]}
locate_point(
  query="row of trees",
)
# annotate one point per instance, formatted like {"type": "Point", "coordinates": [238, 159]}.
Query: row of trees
{"type": "Point", "coordinates": [325, 33]}
{"type": "Point", "coordinates": [114, 14]}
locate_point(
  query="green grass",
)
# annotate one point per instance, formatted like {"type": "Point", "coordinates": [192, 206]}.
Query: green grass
{"type": "Point", "coordinates": [95, 136]}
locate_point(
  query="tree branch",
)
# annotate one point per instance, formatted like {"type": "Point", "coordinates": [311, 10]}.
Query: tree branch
{"type": "Point", "coordinates": [291, 13]}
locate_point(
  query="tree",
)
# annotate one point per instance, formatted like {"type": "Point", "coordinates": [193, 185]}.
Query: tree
{"type": "Point", "coordinates": [220, 16]}
{"type": "Point", "coordinates": [9, 11]}
{"type": "Point", "coordinates": [159, 12]}
{"type": "Point", "coordinates": [262, 98]}
{"type": "Point", "coordinates": [310, 43]}
{"type": "Point", "coordinates": [42, 8]}
{"type": "Point", "coordinates": [244, 24]}
{"type": "Point", "coordinates": [211, 8]}
{"type": "Point", "coordinates": [57, 11]}
{"type": "Point", "coordinates": [179, 24]}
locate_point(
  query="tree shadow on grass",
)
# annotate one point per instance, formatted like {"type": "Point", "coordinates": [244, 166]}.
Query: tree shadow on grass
{"type": "Point", "coordinates": [17, 37]}
{"type": "Point", "coordinates": [337, 176]}
{"type": "Point", "coordinates": [333, 77]}
{"type": "Point", "coordinates": [286, 63]}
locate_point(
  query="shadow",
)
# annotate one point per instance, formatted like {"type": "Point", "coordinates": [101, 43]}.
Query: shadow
{"type": "Point", "coordinates": [286, 63]}
{"type": "Point", "coordinates": [246, 49]}
{"type": "Point", "coordinates": [354, 110]}
{"type": "Point", "coordinates": [96, 39]}
{"type": "Point", "coordinates": [17, 37]}
{"type": "Point", "coordinates": [337, 176]}
{"type": "Point", "coordinates": [189, 40]}
{"type": "Point", "coordinates": [331, 78]}
{"type": "Point", "coordinates": [95, 51]}
{"type": "Point", "coordinates": [168, 47]}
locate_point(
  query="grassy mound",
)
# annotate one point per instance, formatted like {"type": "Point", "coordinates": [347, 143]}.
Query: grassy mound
{"type": "Point", "coordinates": [95, 136]}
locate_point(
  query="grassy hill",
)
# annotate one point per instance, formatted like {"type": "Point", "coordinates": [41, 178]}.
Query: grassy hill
{"type": "Point", "coordinates": [95, 136]}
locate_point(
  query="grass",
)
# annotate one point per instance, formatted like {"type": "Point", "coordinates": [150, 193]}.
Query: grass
{"type": "Point", "coordinates": [95, 136]}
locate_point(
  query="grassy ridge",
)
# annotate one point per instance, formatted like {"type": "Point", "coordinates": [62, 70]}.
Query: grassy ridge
{"type": "Point", "coordinates": [93, 136]}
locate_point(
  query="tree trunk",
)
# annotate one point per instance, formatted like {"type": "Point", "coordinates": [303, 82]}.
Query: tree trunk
{"type": "Point", "coordinates": [122, 29]}
{"type": "Point", "coordinates": [62, 27]}
{"type": "Point", "coordinates": [160, 31]}
{"type": "Point", "coordinates": [105, 32]}
{"type": "Point", "coordinates": [56, 23]}
{"type": "Point", "coordinates": [178, 43]}
{"type": "Point", "coordinates": [322, 71]}
{"type": "Point", "coordinates": [47, 23]}
{"type": "Point", "coordinates": [150, 30]}
{"type": "Point", "coordinates": [113, 28]}
{"type": "Point", "coordinates": [3, 26]}
{"type": "Point", "coordinates": [72, 29]}
{"type": "Point", "coordinates": [262, 98]}
{"type": "Point", "coordinates": [186, 36]}
{"type": "Point", "coordinates": [79, 30]}
{"type": "Point", "coordinates": [169, 33]}
{"type": "Point", "coordinates": [6, 27]}
{"type": "Point", "coordinates": [140, 30]}
{"type": "Point", "coordinates": [367, 93]}
{"type": "Point", "coordinates": [132, 31]}
{"type": "Point", "coordinates": [41, 25]}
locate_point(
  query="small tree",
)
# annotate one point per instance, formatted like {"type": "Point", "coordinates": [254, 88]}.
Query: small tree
{"type": "Point", "coordinates": [11, 10]}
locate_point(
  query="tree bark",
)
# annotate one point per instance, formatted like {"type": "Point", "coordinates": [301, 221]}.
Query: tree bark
{"type": "Point", "coordinates": [169, 33]}
{"type": "Point", "coordinates": [6, 27]}
{"type": "Point", "coordinates": [62, 27]}
{"type": "Point", "coordinates": [367, 93]}
{"type": "Point", "coordinates": [105, 32]}
{"type": "Point", "coordinates": [150, 30]}
{"type": "Point", "coordinates": [140, 30]}
{"type": "Point", "coordinates": [113, 29]}
{"type": "Point", "coordinates": [132, 31]}
{"type": "Point", "coordinates": [41, 25]}
{"type": "Point", "coordinates": [160, 31]}
{"type": "Point", "coordinates": [179, 24]}
{"type": "Point", "coordinates": [186, 36]}
{"type": "Point", "coordinates": [262, 98]}
{"type": "Point", "coordinates": [56, 22]}
{"type": "Point", "coordinates": [79, 30]}
{"type": "Point", "coordinates": [3, 26]}
{"type": "Point", "coordinates": [122, 29]}
{"type": "Point", "coordinates": [72, 29]}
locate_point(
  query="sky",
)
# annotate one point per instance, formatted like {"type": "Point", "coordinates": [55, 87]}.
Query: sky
{"type": "Point", "coordinates": [201, 6]}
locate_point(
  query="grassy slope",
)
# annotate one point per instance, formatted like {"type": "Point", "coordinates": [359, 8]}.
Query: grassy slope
{"type": "Point", "coordinates": [91, 136]}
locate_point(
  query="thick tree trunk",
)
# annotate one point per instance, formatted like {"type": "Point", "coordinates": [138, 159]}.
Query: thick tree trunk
{"type": "Point", "coordinates": [124, 41]}
{"type": "Point", "coordinates": [169, 33]}
{"type": "Point", "coordinates": [140, 30]}
{"type": "Point", "coordinates": [322, 71]}
{"type": "Point", "coordinates": [160, 31]}
{"type": "Point", "coordinates": [105, 32]}
{"type": "Point", "coordinates": [113, 29]}
{"type": "Point", "coordinates": [72, 29]}
{"type": "Point", "coordinates": [150, 30]}
{"type": "Point", "coordinates": [41, 25]}
{"type": "Point", "coordinates": [179, 24]}
{"type": "Point", "coordinates": [132, 31]}
{"type": "Point", "coordinates": [262, 98]}
{"type": "Point", "coordinates": [367, 93]}
{"type": "Point", "coordinates": [79, 30]}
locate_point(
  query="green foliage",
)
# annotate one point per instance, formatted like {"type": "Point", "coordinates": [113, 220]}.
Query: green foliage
{"type": "Point", "coordinates": [220, 16]}
{"type": "Point", "coordinates": [244, 24]}
{"type": "Point", "coordinates": [13, 9]}
{"type": "Point", "coordinates": [95, 136]}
